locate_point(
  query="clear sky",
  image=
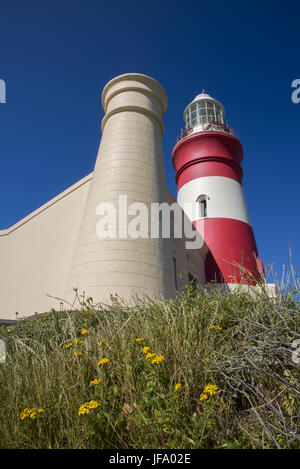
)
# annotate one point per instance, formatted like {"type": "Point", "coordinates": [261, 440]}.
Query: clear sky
{"type": "Point", "coordinates": [56, 57]}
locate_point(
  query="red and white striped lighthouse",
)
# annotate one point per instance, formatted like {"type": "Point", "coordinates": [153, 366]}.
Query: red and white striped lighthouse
{"type": "Point", "coordinates": [207, 160]}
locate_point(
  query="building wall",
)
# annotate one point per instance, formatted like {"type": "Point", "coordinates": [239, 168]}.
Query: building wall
{"type": "Point", "coordinates": [129, 164]}
{"type": "Point", "coordinates": [186, 261]}
{"type": "Point", "coordinates": [36, 254]}
{"type": "Point", "coordinates": [57, 248]}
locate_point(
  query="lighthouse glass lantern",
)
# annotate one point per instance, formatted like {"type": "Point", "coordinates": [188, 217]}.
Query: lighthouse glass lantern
{"type": "Point", "coordinates": [204, 113]}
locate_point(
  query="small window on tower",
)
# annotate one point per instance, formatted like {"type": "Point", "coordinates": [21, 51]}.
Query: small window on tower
{"type": "Point", "coordinates": [202, 204]}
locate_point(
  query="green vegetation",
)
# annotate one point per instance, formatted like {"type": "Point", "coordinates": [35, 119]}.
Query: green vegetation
{"type": "Point", "coordinates": [219, 373]}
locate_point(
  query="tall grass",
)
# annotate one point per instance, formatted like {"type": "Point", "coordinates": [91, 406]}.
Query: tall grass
{"type": "Point", "coordinates": [240, 343]}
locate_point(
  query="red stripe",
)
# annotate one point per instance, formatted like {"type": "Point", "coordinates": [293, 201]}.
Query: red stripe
{"type": "Point", "coordinates": [232, 251]}
{"type": "Point", "coordinates": [207, 168]}
{"type": "Point", "coordinates": [208, 154]}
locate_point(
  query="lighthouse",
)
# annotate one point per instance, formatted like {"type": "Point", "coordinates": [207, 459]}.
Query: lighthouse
{"type": "Point", "coordinates": [207, 159]}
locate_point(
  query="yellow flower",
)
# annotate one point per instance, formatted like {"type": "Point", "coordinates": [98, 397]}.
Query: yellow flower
{"type": "Point", "coordinates": [25, 413]}
{"type": "Point", "coordinates": [139, 339]}
{"type": "Point", "coordinates": [78, 341]}
{"type": "Point", "coordinates": [31, 413]}
{"type": "Point", "coordinates": [145, 349]}
{"type": "Point", "coordinates": [84, 331]}
{"type": "Point", "coordinates": [69, 345]}
{"type": "Point", "coordinates": [102, 341]}
{"type": "Point", "coordinates": [158, 359]}
{"type": "Point", "coordinates": [150, 355]}
{"type": "Point", "coordinates": [177, 386]}
{"type": "Point", "coordinates": [93, 404]}
{"type": "Point", "coordinates": [213, 326]}
{"type": "Point", "coordinates": [211, 389]}
{"type": "Point", "coordinates": [95, 382]}
{"type": "Point", "coordinates": [85, 408]}
{"type": "Point", "coordinates": [103, 361]}
{"type": "Point", "coordinates": [77, 354]}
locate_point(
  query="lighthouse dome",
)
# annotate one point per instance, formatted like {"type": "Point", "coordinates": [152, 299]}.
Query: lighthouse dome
{"type": "Point", "coordinates": [202, 96]}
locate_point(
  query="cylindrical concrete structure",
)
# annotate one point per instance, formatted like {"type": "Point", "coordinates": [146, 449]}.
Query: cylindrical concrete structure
{"type": "Point", "coordinates": [209, 176]}
{"type": "Point", "coordinates": [130, 165]}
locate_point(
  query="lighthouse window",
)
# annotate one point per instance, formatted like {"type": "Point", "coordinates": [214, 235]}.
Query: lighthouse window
{"type": "Point", "coordinates": [202, 201]}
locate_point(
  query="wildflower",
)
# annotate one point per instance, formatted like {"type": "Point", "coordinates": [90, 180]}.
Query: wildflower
{"type": "Point", "coordinates": [213, 326]}
{"type": "Point", "coordinates": [77, 354]}
{"type": "Point", "coordinates": [25, 413]}
{"type": "Point", "coordinates": [69, 345]}
{"type": "Point", "coordinates": [139, 339]}
{"type": "Point", "coordinates": [95, 382]}
{"type": "Point", "coordinates": [150, 355]}
{"type": "Point", "coordinates": [177, 386]}
{"type": "Point", "coordinates": [78, 341]}
{"type": "Point", "coordinates": [102, 341]}
{"type": "Point", "coordinates": [158, 359]}
{"type": "Point", "coordinates": [211, 389]}
{"type": "Point", "coordinates": [93, 404]}
{"type": "Point", "coordinates": [30, 413]}
{"type": "Point", "coordinates": [87, 406]}
{"type": "Point", "coordinates": [83, 409]}
{"type": "Point", "coordinates": [145, 349]}
{"type": "Point", "coordinates": [84, 331]}
{"type": "Point", "coordinates": [103, 361]}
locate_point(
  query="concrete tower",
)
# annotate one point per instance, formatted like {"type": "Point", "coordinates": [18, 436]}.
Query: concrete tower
{"type": "Point", "coordinates": [129, 164]}
{"type": "Point", "coordinates": [208, 160]}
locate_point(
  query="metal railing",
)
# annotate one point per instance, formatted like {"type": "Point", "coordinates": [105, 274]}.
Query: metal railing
{"type": "Point", "coordinates": [205, 126]}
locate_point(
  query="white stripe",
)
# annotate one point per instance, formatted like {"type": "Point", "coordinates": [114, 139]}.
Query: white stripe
{"type": "Point", "coordinates": [225, 198]}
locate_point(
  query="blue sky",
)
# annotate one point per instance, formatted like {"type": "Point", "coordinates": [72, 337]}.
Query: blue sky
{"type": "Point", "coordinates": [56, 57]}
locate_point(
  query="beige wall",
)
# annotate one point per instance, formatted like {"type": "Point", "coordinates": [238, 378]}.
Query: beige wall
{"type": "Point", "coordinates": [186, 261]}
{"type": "Point", "coordinates": [56, 248]}
{"type": "Point", "coordinates": [129, 162]}
{"type": "Point", "coordinates": [36, 254]}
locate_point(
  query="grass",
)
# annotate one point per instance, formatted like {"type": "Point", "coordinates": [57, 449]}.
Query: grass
{"type": "Point", "coordinates": [240, 344]}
